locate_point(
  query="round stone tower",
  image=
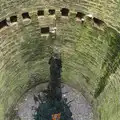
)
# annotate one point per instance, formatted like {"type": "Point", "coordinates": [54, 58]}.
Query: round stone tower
{"type": "Point", "coordinates": [85, 32]}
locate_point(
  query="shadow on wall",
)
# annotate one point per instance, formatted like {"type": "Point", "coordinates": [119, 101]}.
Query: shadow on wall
{"type": "Point", "coordinates": [51, 104]}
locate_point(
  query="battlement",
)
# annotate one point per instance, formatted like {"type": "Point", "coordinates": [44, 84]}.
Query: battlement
{"type": "Point", "coordinates": [49, 17]}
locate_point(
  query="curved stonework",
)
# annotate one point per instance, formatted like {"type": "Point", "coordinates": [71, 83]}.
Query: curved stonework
{"type": "Point", "coordinates": [104, 9]}
{"type": "Point", "coordinates": [89, 50]}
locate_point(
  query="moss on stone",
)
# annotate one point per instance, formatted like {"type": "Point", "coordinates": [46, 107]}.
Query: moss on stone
{"type": "Point", "coordinates": [90, 54]}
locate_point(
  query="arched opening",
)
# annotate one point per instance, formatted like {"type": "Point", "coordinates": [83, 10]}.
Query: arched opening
{"type": "Point", "coordinates": [64, 11]}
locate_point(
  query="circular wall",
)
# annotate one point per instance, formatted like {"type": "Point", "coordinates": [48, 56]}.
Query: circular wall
{"type": "Point", "coordinates": [87, 36]}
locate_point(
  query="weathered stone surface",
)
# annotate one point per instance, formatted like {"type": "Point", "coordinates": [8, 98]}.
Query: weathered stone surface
{"type": "Point", "coordinates": [90, 53]}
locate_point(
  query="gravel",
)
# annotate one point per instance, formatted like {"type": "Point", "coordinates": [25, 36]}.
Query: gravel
{"type": "Point", "coordinates": [80, 108]}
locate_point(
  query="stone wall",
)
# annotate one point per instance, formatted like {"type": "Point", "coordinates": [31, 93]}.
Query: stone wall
{"type": "Point", "coordinates": [24, 60]}
{"type": "Point", "coordinates": [89, 49]}
{"type": "Point", "coordinates": [109, 100]}
{"type": "Point", "coordinates": [103, 9]}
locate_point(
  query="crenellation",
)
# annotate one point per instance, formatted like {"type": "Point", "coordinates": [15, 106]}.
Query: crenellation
{"type": "Point", "coordinates": [43, 15]}
{"type": "Point", "coordinates": [83, 3]}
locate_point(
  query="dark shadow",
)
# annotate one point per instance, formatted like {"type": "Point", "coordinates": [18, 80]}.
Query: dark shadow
{"type": "Point", "coordinates": [98, 21]}
{"type": "Point", "coordinates": [13, 19]}
{"type": "Point", "coordinates": [40, 13]}
{"type": "Point", "coordinates": [80, 15]}
{"type": "Point", "coordinates": [3, 24]}
{"type": "Point", "coordinates": [51, 102]}
{"type": "Point", "coordinates": [45, 30]}
{"type": "Point", "coordinates": [51, 12]}
{"type": "Point", "coordinates": [55, 76]}
{"type": "Point", "coordinates": [64, 11]}
{"type": "Point", "coordinates": [26, 15]}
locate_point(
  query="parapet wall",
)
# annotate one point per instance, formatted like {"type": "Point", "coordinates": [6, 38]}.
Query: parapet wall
{"type": "Point", "coordinates": [103, 9]}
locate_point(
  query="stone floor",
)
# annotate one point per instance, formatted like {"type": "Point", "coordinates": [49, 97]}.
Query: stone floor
{"type": "Point", "coordinates": [80, 108]}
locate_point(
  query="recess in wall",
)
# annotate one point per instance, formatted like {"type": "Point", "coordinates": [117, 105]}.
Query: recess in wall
{"type": "Point", "coordinates": [97, 21]}
{"type": "Point", "coordinates": [13, 19]}
{"type": "Point", "coordinates": [80, 15]}
{"type": "Point", "coordinates": [64, 11]}
{"type": "Point", "coordinates": [26, 15]}
{"type": "Point", "coordinates": [45, 30]}
{"type": "Point", "coordinates": [40, 13]}
{"type": "Point", "coordinates": [3, 23]}
{"type": "Point", "coordinates": [51, 12]}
